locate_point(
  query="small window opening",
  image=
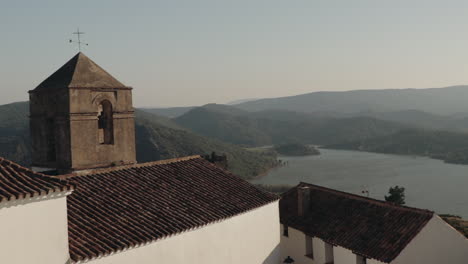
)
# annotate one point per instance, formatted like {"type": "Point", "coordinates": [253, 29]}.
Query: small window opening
{"type": "Point", "coordinates": [50, 130]}
{"type": "Point", "coordinates": [105, 123]}
{"type": "Point", "coordinates": [329, 258]}
{"type": "Point", "coordinates": [285, 231]}
{"type": "Point", "coordinates": [309, 247]}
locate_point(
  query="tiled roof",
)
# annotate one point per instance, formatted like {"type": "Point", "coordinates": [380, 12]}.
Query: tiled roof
{"type": "Point", "coordinates": [118, 208]}
{"type": "Point", "coordinates": [17, 182]}
{"type": "Point", "coordinates": [371, 228]}
{"type": "Point", "coordinates": [80, 72]}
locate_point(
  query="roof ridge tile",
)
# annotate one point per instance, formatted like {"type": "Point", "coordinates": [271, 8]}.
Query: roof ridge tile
{"type": "Point", "coordinates": [368, 199]}
{"type": "Point", "coordinates": [364, 225]}
{"type": "Point", "coordinates": [124, 167]}
{"type": "Point", "coordinates": [18, 182]}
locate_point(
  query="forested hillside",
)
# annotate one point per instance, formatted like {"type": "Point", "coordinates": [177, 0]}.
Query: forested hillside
{"type": "Point", "coordinates": [232, 125]}
{"type": "Point", "coordinates": [155, 142]}
{"type": "Point", "coordinates": [428, 136]}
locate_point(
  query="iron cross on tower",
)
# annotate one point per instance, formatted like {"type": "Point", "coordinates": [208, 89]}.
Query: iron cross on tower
{"type": "Point", "coordinates": [78, 33]}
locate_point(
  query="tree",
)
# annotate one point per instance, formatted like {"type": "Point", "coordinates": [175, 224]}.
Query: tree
{"type": "Point", "coordinates": [396, 195]}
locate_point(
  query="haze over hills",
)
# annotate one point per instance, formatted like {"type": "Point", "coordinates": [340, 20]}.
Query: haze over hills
{"type": "Point", "coordinates": [240, 127]}
{"type": "Point", "coordinates": [433, 108]}
{"type": "Point", "coordinates": [411, 132]}
{"type": "Point", "coordinates": [439, 101]}
{"type": "Point", "coordinates": [156, 138]}
{"type": "Point", "coordinates": [390, 121]}
{"type": "Point", "coordinates": [170, 112]}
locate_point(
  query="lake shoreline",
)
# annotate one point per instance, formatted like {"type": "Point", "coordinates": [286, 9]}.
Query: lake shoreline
{"type": "Point", "coordinates": [433, 157]}
{"type": "Point", "coordinates": [430, 183]}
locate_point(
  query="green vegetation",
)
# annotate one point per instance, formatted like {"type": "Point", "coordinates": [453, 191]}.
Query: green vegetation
{"type": "Point", "coordinates": [396, 195]}
{"type": "Point", "coordinates": [450, 147]}
{"type": "Point", "coordinates": [296, 149]}
{"type": "Point", "coordinates": [156, 138]}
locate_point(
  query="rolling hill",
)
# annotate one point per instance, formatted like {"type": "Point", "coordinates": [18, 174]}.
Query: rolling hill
{"type": "Point", "coordinates": [439, 101]}
{"type": "Point", "coordinates": [434, 108]}
{"type": "Point", "coordinates": [236, 126]}
{"type": "Point", "coordinates": [170, 112]}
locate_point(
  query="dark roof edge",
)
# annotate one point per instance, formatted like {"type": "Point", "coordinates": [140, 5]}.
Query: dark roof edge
{"type": "Point", "coordinates": [123, 167]}
{"type": "Point", "coordinates": [82, 88]}
{"type": "Point", "coordinates": [363, 198]}
{"type": "Point", "coordinates": [67, 186]}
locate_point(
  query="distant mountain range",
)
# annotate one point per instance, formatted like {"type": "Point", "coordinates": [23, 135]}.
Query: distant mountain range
{"type": "Point", "coordinates": [170, 112]}
{"type": "Point", "coordinates": [433, 108]}
{"type": "Point", "coordinates": [438, 101]}
{"type": "Point", "coordinates": [428, 122]}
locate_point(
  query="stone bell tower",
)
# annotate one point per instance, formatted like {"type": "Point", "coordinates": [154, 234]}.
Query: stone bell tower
{"type": "Point", "coordinates": [81, 118]}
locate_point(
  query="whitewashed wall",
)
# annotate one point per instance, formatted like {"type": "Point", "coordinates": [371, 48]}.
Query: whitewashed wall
{"type": "Point", "coordinates": [294, 245]}
{"type": "Point", "coordinates": [437, 243]}
{"type": "Point", "coordinates": [344, 256]}
{"type": "Point", "coordinates": [373, 261]}
{"type": "Point", "coordinates": [319, 251]}
{"type": "Point", "coordinates": [250, 238]}
{"type": "Point", "coordinates": [34, 231]}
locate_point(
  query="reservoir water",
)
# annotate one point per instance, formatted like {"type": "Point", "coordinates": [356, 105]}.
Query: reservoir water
{"type": "Point", "coordinates": [430, 184]}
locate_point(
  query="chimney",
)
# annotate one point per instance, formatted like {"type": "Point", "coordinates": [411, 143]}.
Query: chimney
{"type": "Point", "coordinates": [218, 160]}
{"type": "Point", "coordinates": [303, 200]}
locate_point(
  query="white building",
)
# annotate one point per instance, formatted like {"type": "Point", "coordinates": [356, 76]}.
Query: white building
{"type": "Point", "coordinates": [33, 216]}
{"type": "Point", "coordinates": [321, 225]}
{"type": "Point", "coordinates": [174, 211]}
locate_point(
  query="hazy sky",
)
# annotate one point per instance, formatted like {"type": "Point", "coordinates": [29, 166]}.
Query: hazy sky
{"type": "Point", "coordinates": [195, 52]}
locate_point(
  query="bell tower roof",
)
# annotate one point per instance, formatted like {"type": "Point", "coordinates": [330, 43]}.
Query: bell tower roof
{"type": "Point", "coordinates": [79, 72]}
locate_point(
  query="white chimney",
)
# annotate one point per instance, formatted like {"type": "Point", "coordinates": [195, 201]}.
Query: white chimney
{"type": "Point", "coordinates": [303, 200]}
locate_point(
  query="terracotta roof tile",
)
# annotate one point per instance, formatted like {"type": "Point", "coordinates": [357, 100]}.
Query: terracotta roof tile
{"type": "Point", "coordinates": [369, 227]}
{"type": "Point", "coordinates": [118, 208]}
{"type": "Point", "coordinates": [17, 182]}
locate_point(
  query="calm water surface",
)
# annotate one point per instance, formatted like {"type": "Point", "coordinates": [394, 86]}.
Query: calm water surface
{"type": "Point", "coordinates": [429, 183]}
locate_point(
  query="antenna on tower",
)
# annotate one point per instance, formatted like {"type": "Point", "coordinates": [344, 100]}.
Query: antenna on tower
{"type": "Point", "coordinates": [78, 33]}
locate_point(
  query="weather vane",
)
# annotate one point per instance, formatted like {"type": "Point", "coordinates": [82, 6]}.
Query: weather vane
{"type": "Point", "coordinates": [78, 33]}
{"type": "Point", "coordinates": [365, 190]}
